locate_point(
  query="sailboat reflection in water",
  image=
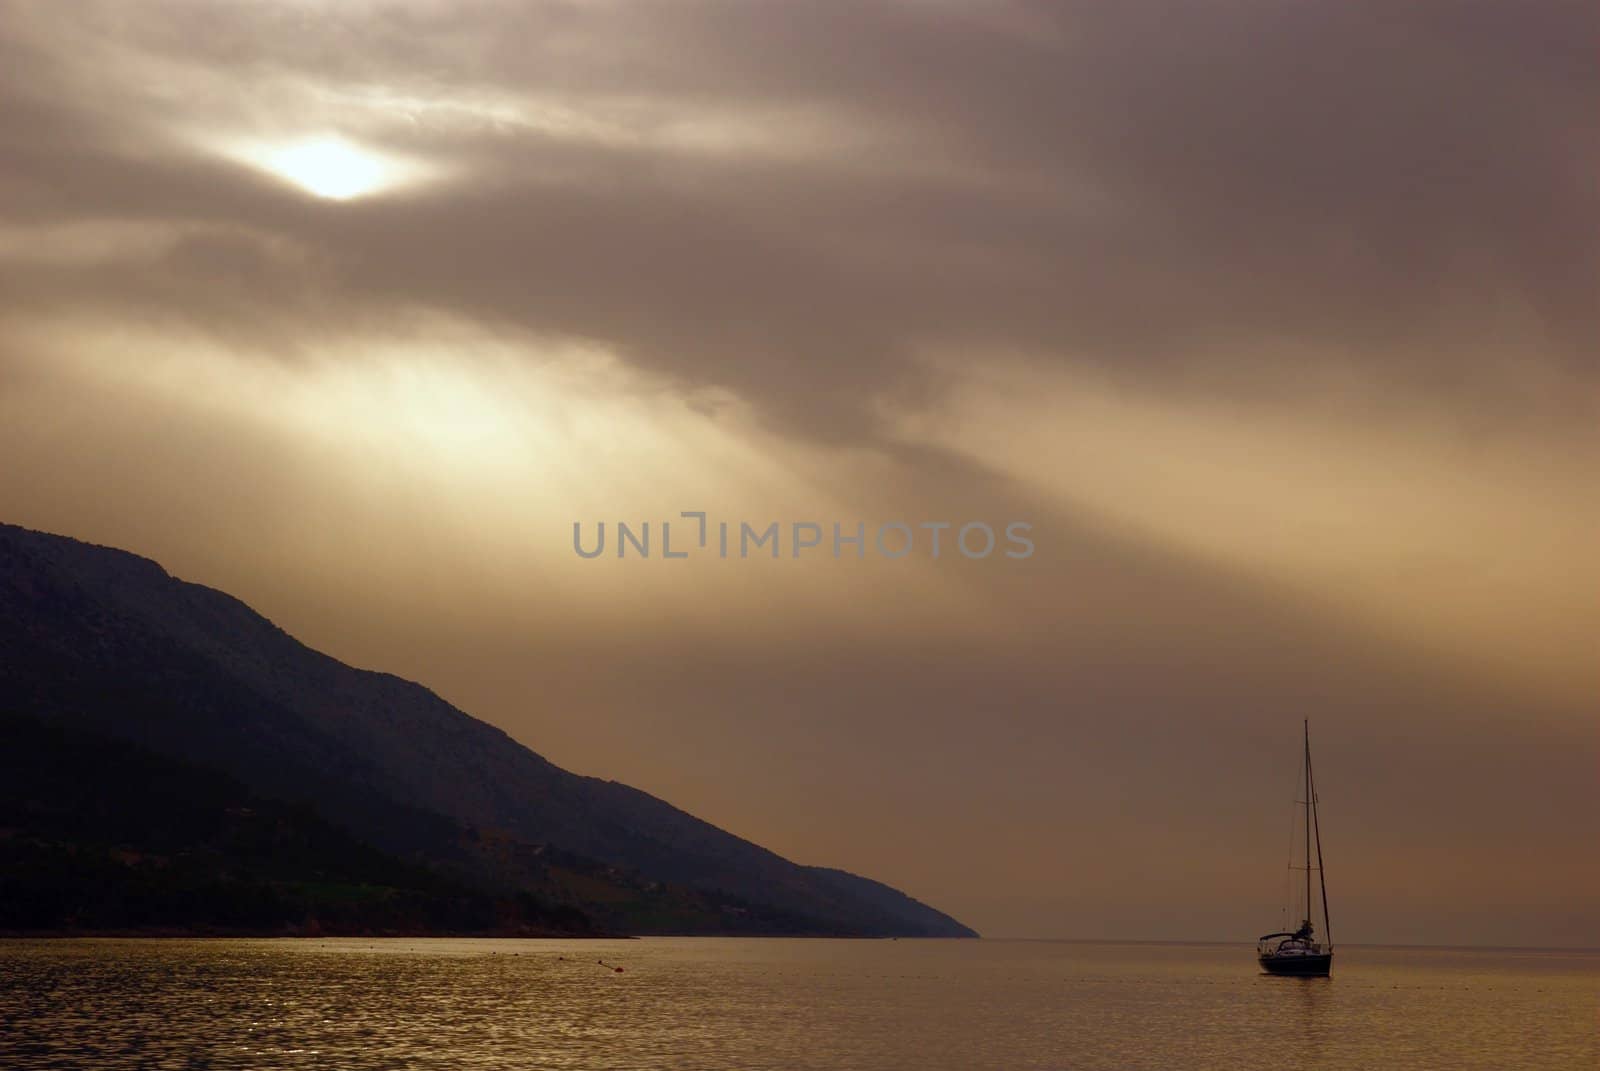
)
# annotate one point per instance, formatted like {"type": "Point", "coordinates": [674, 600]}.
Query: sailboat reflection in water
{"type": "Point", "coordinates": [1298, 951]}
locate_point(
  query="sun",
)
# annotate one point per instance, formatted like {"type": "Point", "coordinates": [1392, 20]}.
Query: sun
{"type": "Point", "coordinates": [331, 167]}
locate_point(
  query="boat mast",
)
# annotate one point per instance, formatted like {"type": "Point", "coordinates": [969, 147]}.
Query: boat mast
{"type": "Point", "coordinates": [1322, 871]}
{"type": "Point", "coordinates": [1307, 802]}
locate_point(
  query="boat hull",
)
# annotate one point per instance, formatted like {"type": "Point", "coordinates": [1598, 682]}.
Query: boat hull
{"type": "Point", "coordinates": [1304, 966]}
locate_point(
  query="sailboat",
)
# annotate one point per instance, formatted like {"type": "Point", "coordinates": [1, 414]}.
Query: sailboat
{"type": "Point", "coordinates": [1298, 951]}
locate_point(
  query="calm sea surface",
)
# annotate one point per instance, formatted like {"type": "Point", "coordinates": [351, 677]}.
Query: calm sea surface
{"type": "Point", "coordinates": [706, 1003]}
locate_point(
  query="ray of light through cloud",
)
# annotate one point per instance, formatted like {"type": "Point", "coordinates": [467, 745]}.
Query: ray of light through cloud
{"type": "Point", "coordinates": [1276, 321]}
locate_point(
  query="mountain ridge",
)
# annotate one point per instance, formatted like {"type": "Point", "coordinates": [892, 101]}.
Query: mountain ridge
{"type": "Point", "coordinates": [93, 633]}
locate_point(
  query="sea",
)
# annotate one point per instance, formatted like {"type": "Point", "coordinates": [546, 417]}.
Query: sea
{"type": "Point", "coordinates": [725, 1003]}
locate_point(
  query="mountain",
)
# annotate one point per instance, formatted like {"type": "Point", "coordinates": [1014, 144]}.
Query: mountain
{"type": "Point", "coordinates": [99, 835]}
{"type": "Point", "coordinates": [103, 642]}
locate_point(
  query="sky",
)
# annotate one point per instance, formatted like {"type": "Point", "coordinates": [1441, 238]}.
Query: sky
{"type": "Point", "coordinates": [1274, 321]}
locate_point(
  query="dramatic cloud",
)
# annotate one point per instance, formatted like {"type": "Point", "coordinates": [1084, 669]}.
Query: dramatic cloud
{"type": "Point", "coordinates": [1277, 320]}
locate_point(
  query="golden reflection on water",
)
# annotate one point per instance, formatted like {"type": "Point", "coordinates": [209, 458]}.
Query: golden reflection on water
{"type": "Point", "coordinates": [686, 1003]}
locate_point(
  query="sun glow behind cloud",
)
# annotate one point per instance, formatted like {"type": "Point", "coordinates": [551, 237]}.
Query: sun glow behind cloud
{"type": "Point", "coordinates": [439, 443]}
{"type": "Point", "coordinates": [330, 167]}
